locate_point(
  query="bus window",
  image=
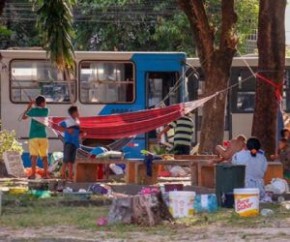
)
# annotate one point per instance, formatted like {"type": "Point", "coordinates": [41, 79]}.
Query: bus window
{"type": "Point", "coordinates": [161, 87]}
{"type": "Point", "coordinates": [245, 101]}
{"type": "Point", "coordinates": [242, 95]}
{"type": "Point", "coordinates": [106, 82]}
{"type": "Point", "coordinates": [30, 78]}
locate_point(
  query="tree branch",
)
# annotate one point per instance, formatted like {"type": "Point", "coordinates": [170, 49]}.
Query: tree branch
{"type": "Point", "coordinates": [228, 37]}
{"type": "Point", "coordinates": [2, 6]}
{"type": "Point", "coordinates": [203, 32]}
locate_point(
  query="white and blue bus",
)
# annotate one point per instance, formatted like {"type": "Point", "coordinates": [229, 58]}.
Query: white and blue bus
{"type": "Point", "coordinates": [103, 83]}
{"type": "Point", "coordinates": [241, 98]}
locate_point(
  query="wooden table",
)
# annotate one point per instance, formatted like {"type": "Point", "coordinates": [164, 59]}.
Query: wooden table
{"type": "Point", "coordinates": [275, 170]}
{"type": "Point", "coordinates": [202, 161]}
{"type": "Point", "coordinates": [86, 169]}
{"type": "Point", "coordinates": [206, 177]}
{"type": "Point", "coordinates": [136, 171]}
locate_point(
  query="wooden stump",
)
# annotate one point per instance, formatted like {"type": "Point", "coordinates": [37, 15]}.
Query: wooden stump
{"type": "Point", "coordinates": [145, 210]}
{"type": "Point", "coordinates": [3, 170]}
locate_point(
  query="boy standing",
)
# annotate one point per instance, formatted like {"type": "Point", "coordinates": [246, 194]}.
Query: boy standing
{"type": "Point", "coordinates": [38, 141]}
{"type": "Point", "coordinates": [71, 129]}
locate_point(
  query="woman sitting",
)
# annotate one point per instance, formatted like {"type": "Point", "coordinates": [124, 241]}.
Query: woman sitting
{"type": "Point", "coordinates": [255, 162]}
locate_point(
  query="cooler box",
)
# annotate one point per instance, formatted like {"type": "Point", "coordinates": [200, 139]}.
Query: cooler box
{"type": "Point", "coordinates": [228, 177]}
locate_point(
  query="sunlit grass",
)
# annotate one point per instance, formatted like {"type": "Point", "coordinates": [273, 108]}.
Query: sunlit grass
{"type": "Point", "coordinates": [26, 212]}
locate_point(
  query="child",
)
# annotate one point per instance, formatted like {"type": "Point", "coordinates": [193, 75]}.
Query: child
{"type": "Point", "coordinates": [256, 164]}
{"type": "Point", "coordinates": [284, 156]}
{"type": "Point", "coordinates": [38, 142]}
{"type": "Point", "coordinates": [71, 129]}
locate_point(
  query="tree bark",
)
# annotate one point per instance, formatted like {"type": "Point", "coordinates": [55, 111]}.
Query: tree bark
{"type": "Point", "coordinates": [146, 210]}
{"type": "Point", "coordinates": [2, 6]}
{"type": "Point", "coordinates": [271, 47]}
{"type": "Point", "coordinates": [216, 63]}
{"type": "Point", "coordinates": [213, 113]}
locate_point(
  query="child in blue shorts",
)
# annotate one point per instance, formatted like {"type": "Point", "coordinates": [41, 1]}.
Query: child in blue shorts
{"type": "Point", "coordinates": [72, 132]}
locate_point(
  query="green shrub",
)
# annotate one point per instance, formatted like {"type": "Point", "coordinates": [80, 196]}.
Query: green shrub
{"type": "Point", "coordinates": [9, 142]}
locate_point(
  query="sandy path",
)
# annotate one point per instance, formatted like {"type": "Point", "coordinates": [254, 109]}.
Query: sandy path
{"type": "Point", "coordinates": [204, 233]}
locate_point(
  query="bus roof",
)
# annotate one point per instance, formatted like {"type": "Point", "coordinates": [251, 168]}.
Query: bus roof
{"type": "Point", "coordinates": [101, 55]}
{"type": "Point", "coordinates": [237, 61]}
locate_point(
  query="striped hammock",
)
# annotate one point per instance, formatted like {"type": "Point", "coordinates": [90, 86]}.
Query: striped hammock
{"type": "Point", "coordinates": [117, 126]}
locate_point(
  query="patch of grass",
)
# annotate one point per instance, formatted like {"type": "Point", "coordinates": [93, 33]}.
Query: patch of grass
{"type": "Point", "coordinates": [40, 216]}
{"type": "Point", "coordinates": [227, 217]}
{"type": "Point", "coordinates": [23, 212]}
{"type": "Point", "coordinates": [28, 212]}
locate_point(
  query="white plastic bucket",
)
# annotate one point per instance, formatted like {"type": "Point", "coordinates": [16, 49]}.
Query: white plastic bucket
{"type": "Point", "coordinates": [181, 204]}
{"type": "Point", "coordinates": [247, 201]}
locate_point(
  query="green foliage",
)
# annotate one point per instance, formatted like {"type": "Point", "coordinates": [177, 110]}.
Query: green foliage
{"type": "Point", "coordinates": [8, 142]}
{"type": "Point", "coordinates": [111, 25]}
{"type": "Point", "coordinates": [129, 25]}
{"type": "Point", "coordinates": [137, 25]}
{"type": "Point", "coordinates": [247, 21]}
{"type": "Point", "coordinates": [4, 31]}
{"type": "Point", "coordinates": [145, 25]}
{"type": "Point", "coordinates": [18, 25]}
{"type": "Point", "coordinates": [174, 34]}
{"type": "Point", "coordinates": [287, 51]}
{"type": "Point", "coordinates": [247, 12]}
{"type": "Point", "coordinates": [55, 24]}
{"type": "Point", "coordinates": [161, 150]}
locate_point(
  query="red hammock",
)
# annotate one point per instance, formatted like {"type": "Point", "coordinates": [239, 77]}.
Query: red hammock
{"type": "Point", "coordinates": [118, 126]}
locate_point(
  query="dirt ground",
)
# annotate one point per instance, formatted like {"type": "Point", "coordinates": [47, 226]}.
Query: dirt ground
{"type": "Point", "coordinates": [200, 233]}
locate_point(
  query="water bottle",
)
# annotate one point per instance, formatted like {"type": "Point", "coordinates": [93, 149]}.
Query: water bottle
{"type": "Point", "coordinates": [267, 212]}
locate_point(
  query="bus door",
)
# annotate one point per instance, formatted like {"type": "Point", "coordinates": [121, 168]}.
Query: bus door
{"type": "Point", "coordinates": [163, 89]}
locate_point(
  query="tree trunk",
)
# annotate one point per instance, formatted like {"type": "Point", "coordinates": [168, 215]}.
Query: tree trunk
{"type": "Point", "coordinates": [213, 116]}
{"type": "Point", "coordinates": [2, 6]}
{"type": "Point", "coordinates": [215, 59]}
{"type": "Point", "coordinates": [271, 47]}
{"type": "Point", "coordinates": [146, 210]}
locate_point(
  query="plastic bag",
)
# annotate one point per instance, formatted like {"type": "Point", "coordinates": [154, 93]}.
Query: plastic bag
{"type": "Point", "coordinates": [55, 163]}
{"type": "Point", "coordinates": [111, 155]}
{"type": "Point", "coordinates": [277, 186]}
{"type": "Point", "coordinates": [178, 171]}
{"type": "Point", "coordinates": [116, 169]}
